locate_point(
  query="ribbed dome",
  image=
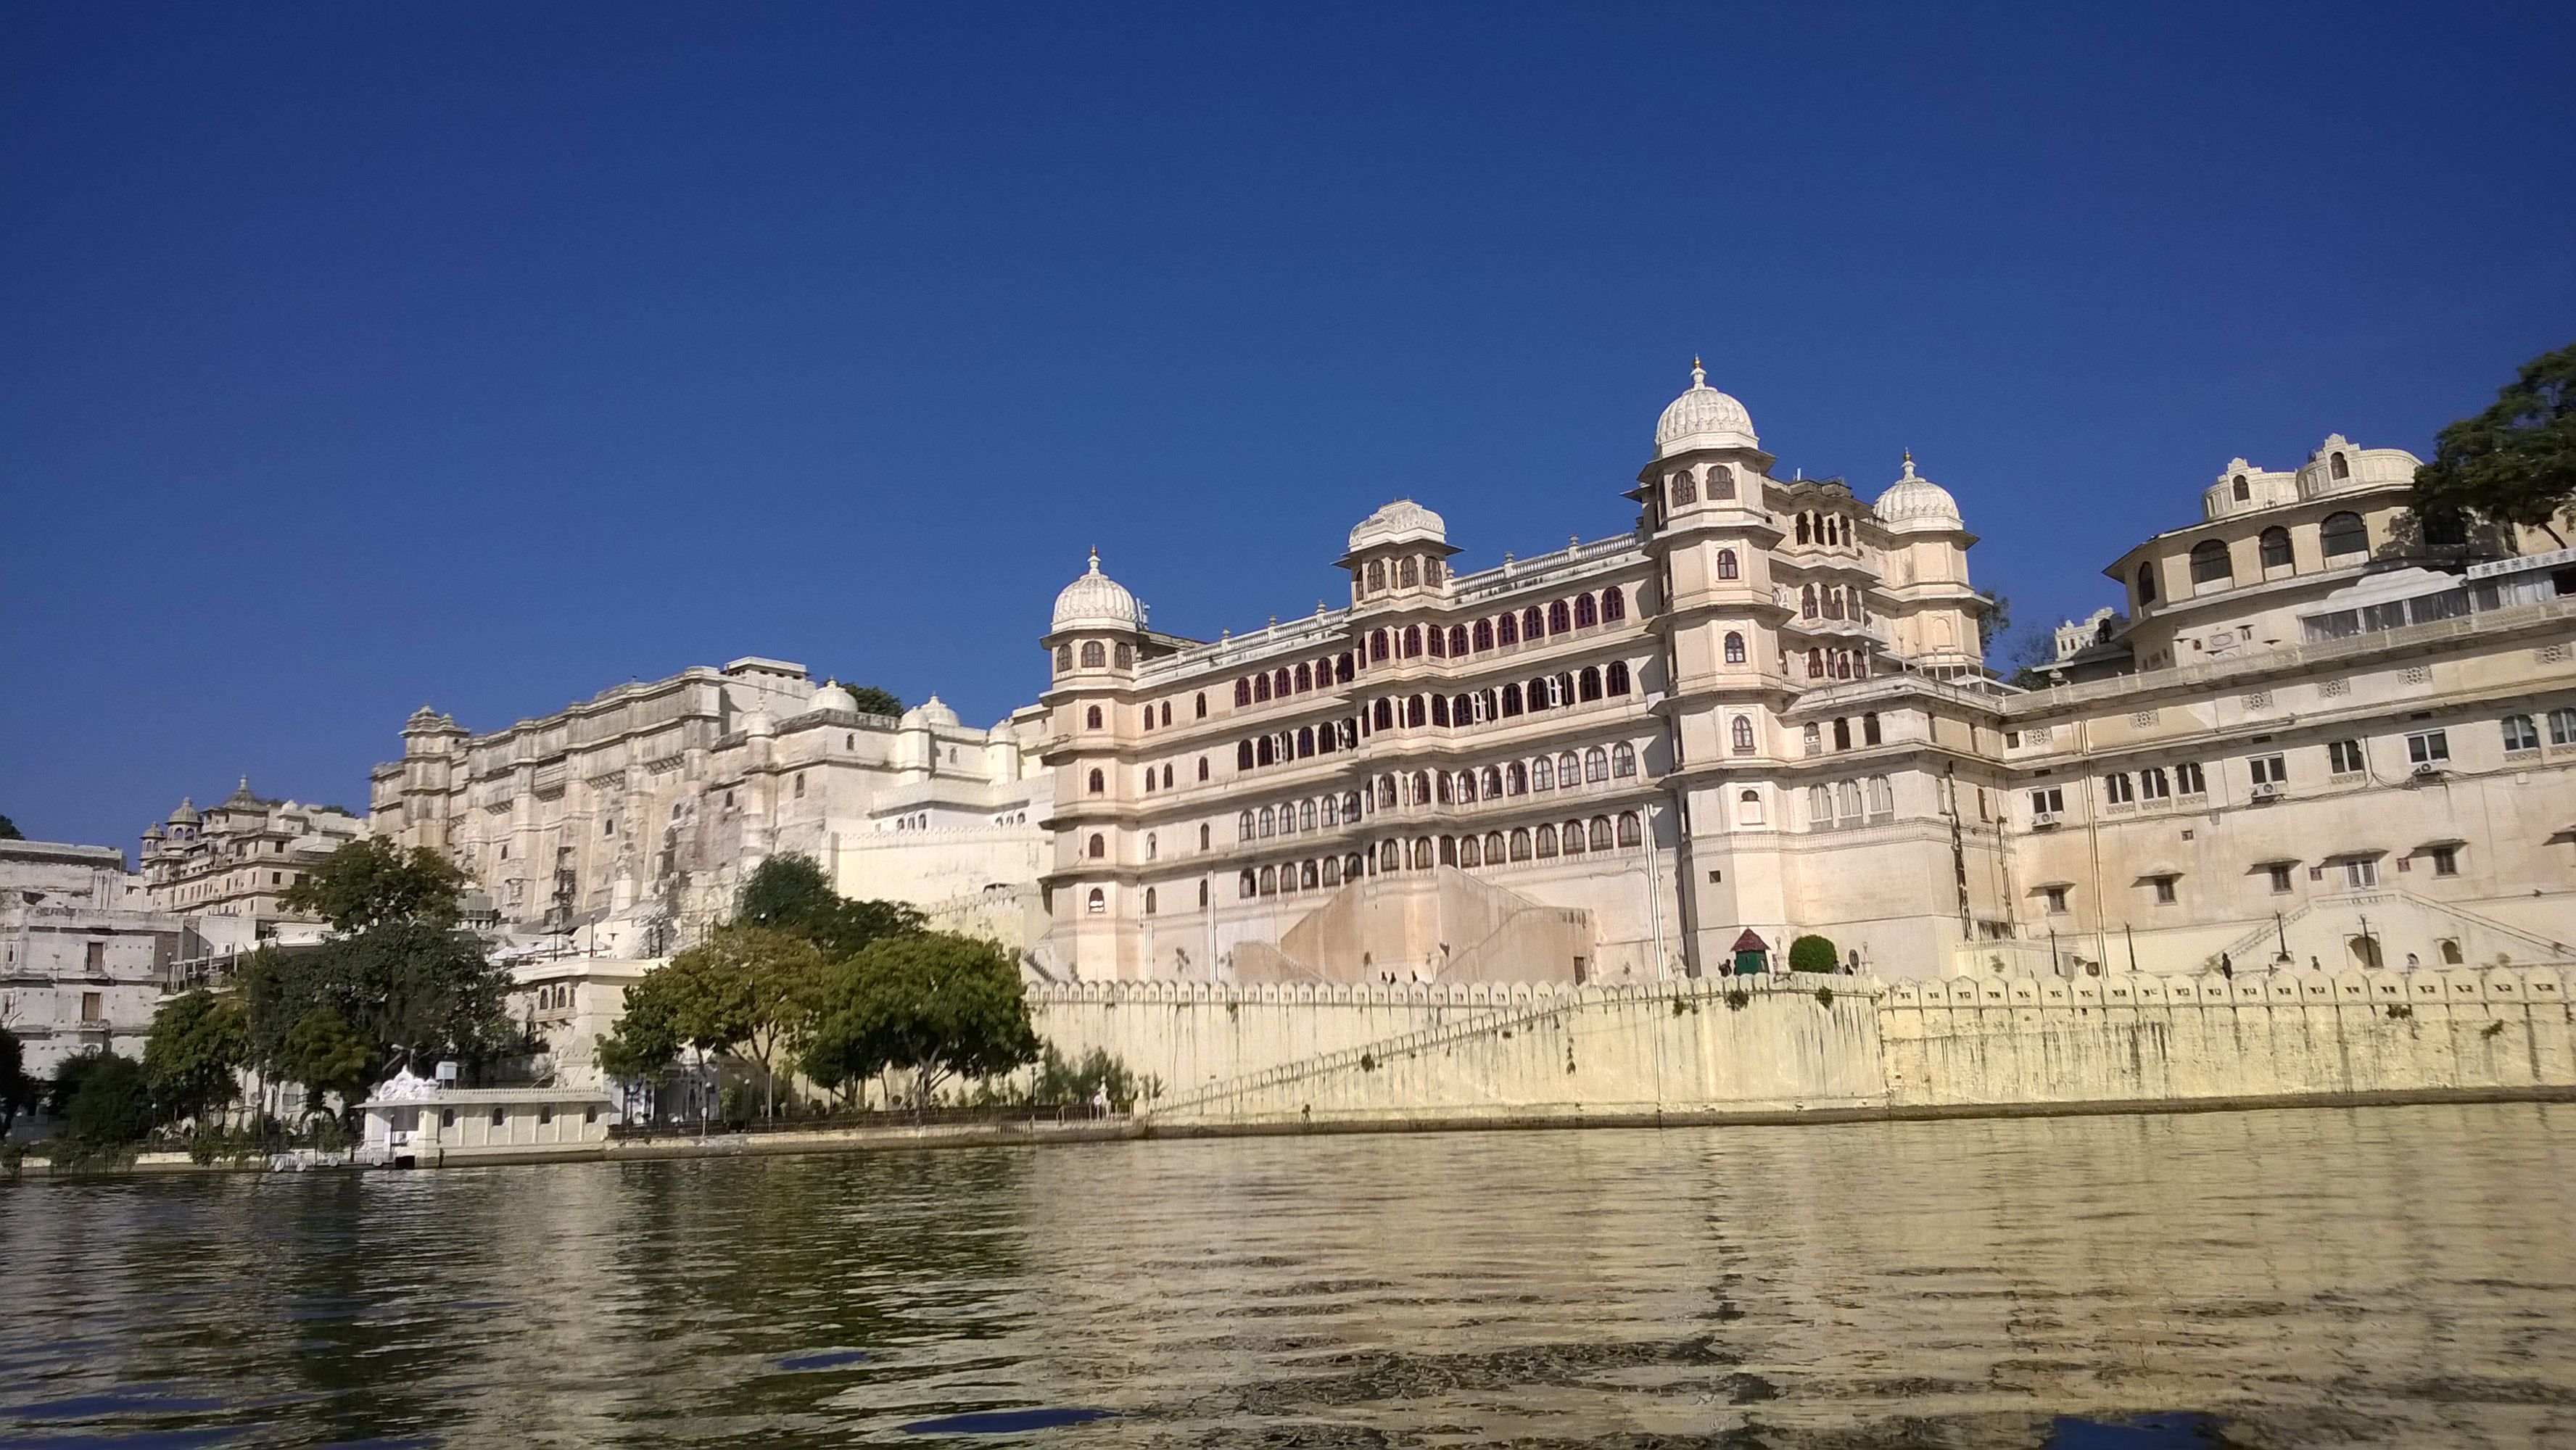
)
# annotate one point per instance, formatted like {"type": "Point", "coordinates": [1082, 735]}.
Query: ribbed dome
{"type": "Point", "coordinates": [1096, 601]}
{"type": "Point", "coordinates": [833, 697]}
{"type": "Point", "coordinates": [1402, 521]}
{"type": "Point", "coordinates": [1913, 502]}
{"type": "Point", "coordinates": [1703, 418]}
{"type": "Point", "coordinates": [935, 711]}
{"type": "Point", "coordinates": [187, 811]}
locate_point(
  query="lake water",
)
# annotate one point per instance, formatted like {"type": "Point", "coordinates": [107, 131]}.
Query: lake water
{"type": "Point", "coordinates": [2385, 1276]}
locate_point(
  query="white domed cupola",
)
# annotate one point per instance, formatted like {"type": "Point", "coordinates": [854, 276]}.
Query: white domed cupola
{"type": "Point", "coordinates": [1096, 601]}
{"type": "Point", "coordinates": [1401, 522]}
{"type": "Point", "coordinates": [1703, 418]}
{"type": "Point", "coordinates": [1915, 503]}
{"type": "Point", "coordinates": [832, 697]}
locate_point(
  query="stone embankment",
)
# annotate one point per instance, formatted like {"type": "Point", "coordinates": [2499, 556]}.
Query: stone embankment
{"type": "Point", "coordinates": [1804, 1048]}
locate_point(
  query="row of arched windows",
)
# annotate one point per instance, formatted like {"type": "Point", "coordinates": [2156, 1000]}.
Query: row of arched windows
{"type": "Point", "coordinates": [1543, 693]}
{"type": "Point", "coordinates": [1832, 601]}
{"type": "Point", "coordinates": [1684, 489]}
{"type": "Point", "coordinates": [1408, 572]}
{"type": "Point", "coordinates": [1095, 655]}
{"type": "Point", "coordinates": [1297, 744]}
{"type": "Point", "coordinates": [1290, 817]}
{"type": "Point", "coordinates": [1167, 711]}
{"type": "Point", "coordinates": [1421, 853]}
{"type": "Point", "coordinates": [1824, 528]}
{"type": "Point", "coordinates": [1279, 684]}
{"type": "Point", "coordinates": [1841, 802]}
{"type": "Point", "coordinates": [2339, 535]}
{"type": "Point", "coordinates": [1837, 664]}
{"type": "Point", "coordinates": [1562, 616]}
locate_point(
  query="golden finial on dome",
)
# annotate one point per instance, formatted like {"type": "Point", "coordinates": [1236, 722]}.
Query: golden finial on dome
{"type": "Point", "coordinates": [1699, 375]}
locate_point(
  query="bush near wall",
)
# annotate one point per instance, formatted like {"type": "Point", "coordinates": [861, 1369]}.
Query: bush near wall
{"type": "Point", "coordinates": [1813, 954]}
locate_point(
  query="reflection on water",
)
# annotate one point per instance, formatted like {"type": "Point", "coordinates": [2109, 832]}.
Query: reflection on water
{"type": "Point", "coordinates": [2323, 1278]}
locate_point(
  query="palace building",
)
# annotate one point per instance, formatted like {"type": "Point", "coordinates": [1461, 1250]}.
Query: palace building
{"type": "Point", "coordinates": [2319, 732]}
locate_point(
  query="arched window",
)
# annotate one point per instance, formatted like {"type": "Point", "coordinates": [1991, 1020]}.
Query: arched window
{"type": "Point", "coordinates": [1202, 706]}
{"type": "Point", "coordinates": [2209, 562]}
{"type": "Point", "coordinates": [1599, 832]}
{"type": "Point", "coordinates": [1743, 734]}
{"type": "Point", "coordinates": [1247, 885]}
{"type": "Point", "coordinates": [1421, 784]}
{"type": "Point", "coordinates": [1408, 572]}
{"type": "Point", "coordinates": [1281, 682]}
{"type": "Point", "coordinates": [1269, 880]}
{"type": "Point", "coordinates": [2276, 547]}
{"type": "Point", "coordinates": [1242, 693]}
{"type": "Point", "coordinates": [1098, 902]}
{"type": "Point", "coordinates": [1815, 664]}
{"type": "Point", "coordinates": [1559, 618]}
{"type": "Point", "coordinates": [1734, 648]}
{"type": "Point", "coordinates": [1412, 641]}
{"type": "Point", "coordinates": [1539, 694]}
{"type": "Point", "coordinates": [1569, 771]}
{"type": "Point", "coordinates": [1439, 642]}
{"type": "Point", "coordinates": [1573, 838]}
{"type": "Point", "coordinates": [1203, 895]}
{"type": "Point", "coordinates": [1623, 760]}
{"type": "Point", "coordinates": [1126, 656]}
{"type": "Point", "coordinates": [1614, 605]}
{"type": "Point", "coordinates": [1305, 678]}
{"type": "Point", "coordinates": [1063, 658]}
{"type": "Point", "coordinates": [1457, 639]}
{"type": "Point", "coordinates": [2339, 468]}
{"type": "Point", "coordinates": [1376, 575]}
{"type": "Point", "coordinates": [1414, 714]}
{"type": "Point", "coordinates": [1243, 755]}
{"type": "Point", "coordinates": [1306, 816]}
{"type": "Point", "coordinates": [1721, 481]}
{"type": "Point", "coordinates": [1543, 774]}
{"type": "Point", "coordinates": [1596, 765]}
{"type": "Point", "coordinates": [1520, 850]}
{"type": "Point", "coordinates": [1098, 848]}
{"type": "Point", "coordinates": [1440, 710]}
{"type": "Point", "coordinates": [1098, 783]}
{"type": "Point", "coordinates": [1203, 835]}
{"type": "Point", "coordinates": [1093, 656]}
{"type": "Point", "coordinates": [1820, 806]}
{"type": "Point", "coordinates": [1586, 614]}
{"type": "Point", "coordinates": [1882, 796]}
{"type": "Point", "coordinates": [1091, 718]}
{"type": "Point", "coordinates": [2242, 491]}
{"type": "Point", "coordinates": [1533, 624]}
{"type": "Point", "coordinates": [1203, 767]}
{"type": "Point", "coordinates": [1466, 788]}
{"type": "Point", "coordinates": [1149, 901]}
{"type": "Point", "coordinates": [1260, 687]}
{"type": "Point", "coordinates": [1269, 822]}
{"type": "Point", "coordinates": [2147, 582]}
{"type": "Point", "coordinates": [1684, 490]}
{"type": "Point", "coordinates": [1332, 871]}
{"type": "Point", "coordinates": [1351, 806]}
{"type": "Point", "coordinates": [2344, 533]}
{"type": "Point", "coordinates": [1630, 832]}
{"type": "Point", "coordinates": [1266, 750]}
{"type": "Point", "coordinates": [1469, 853]}
{"type": "Point", "coordinates": [1546, 842]}
{"type": "Point", "coordinates": [1386, 792]}
{"type": "Point", "coordinates": [1511, 699]}
{"type": "Point", "coordinates": [1493, 851]}
{"type": "Point", "coordinates": [1618, 677]}
{"type": "Point", "coordinates": [1305, 741]}
{"type": "Point", "coordinates": [1389, 855]}
{"type": "Point", "coordinates": [1493, 782]}
{"type": "Point", "coordinates": [1726, 564]}
{"type": "Point", "coordinates": [1507, 630]}
{"type": "Point", "coordinates": [1377, 644]}
{"type": "Point", "coordinates": [1149, 777]}
{"type": "Point", "coordinates": [1484, 635]}
{"type": "Point", "coordinates": [1807, 602]}
{"type": "Point", "coordinates": [1748, 808]}
{"type": "Point", "coordinates": [1516, 779]}
{"type": "Point", "coordinates": [1869, 728]}
{"type": "Point", "coordinates": [1589, 684]}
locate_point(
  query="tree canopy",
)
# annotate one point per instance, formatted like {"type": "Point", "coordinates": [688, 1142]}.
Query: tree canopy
{"type": "Point", "coordinates": [104, 1100]}
{"type": "Point", "coordinates": [931, 1004]}
{"type": "Point", "coordinates": [874, 701]}
{"type": "Point", "coordinates": [372, 882]}
{"type": "Point", "coordinates": [413, 991]}
{"type": "Point", "coordinates": [9, 830]}
{"type": "Point", "coordinates": [18, 1091]}
{"type": "Point", "coordinates": [1812, 953]}
{"type": "Point", "coordinates": [199, 1042]}
{"type": "Point", "coordinates": [2514, 463]}
{"type": "Point", "coordinates": [793, 894]}
{"type": "Point", "coordinates": [326, 1055]}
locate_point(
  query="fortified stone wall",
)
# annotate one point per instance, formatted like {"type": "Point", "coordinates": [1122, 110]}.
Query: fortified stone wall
{"type": "Point", "coordinates": [1360, 1055]}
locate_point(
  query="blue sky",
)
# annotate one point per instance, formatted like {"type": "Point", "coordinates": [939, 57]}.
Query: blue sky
{"type": "Point", "coordinates": [356, 357]}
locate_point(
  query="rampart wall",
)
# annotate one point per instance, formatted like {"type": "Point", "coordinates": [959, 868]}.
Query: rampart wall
{"type": "Point", "coordinates": [1682, 1050]}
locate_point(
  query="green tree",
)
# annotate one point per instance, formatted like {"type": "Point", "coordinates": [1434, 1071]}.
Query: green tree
{"type": "Point", "coordinates": [413, 991]}
{"type": "Point", "coordinates": [372, 882]}
{"type": "Point", "coordinates": [793, 894]}
{"type": "Point", "coordinates": [199, 1043]}
{"type": "Point", "coordinates": [326, 1055]}
{"type": "Point", "coordinates": [9, 830]}
{"type": "Point", "coordinates": [1813, 953]}
{"type": "Point", "coordinates": [19, 1090]}
{"type": "Point", "coordinates": [2515, 463]}
{"type": "Point", "coordinates": [106, 1101]}
{"type": "Point", "coordinates": [874, 701]}
{"type": "Point", "coordinates": [931, 1004]}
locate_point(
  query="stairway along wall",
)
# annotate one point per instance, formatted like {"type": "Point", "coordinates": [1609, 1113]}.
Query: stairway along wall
{"type": "Point", "coordinates": [1404, 1055]}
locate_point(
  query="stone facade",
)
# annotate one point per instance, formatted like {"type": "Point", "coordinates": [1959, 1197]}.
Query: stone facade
{"type": "Point", "coordinates": [227, 866]}
{"type": "Point", "coordinates": [1764, 712]}
{"type": "Point", "coordinates": [84, 953]}
{"type": "Point", "coordinates": [626, 824]}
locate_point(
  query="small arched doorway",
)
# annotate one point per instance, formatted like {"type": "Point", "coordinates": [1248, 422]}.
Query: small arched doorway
{"type": "Point", "coordinates": [2364, 951]}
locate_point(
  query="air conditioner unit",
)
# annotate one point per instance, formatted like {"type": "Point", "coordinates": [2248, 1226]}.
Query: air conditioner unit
{"type": "Point", "coordinates": [2427, 768]}
{"type": "Point", "coordinates": [2043, 820]}
{"type": "Point", "coordinates": [2269, 790]}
